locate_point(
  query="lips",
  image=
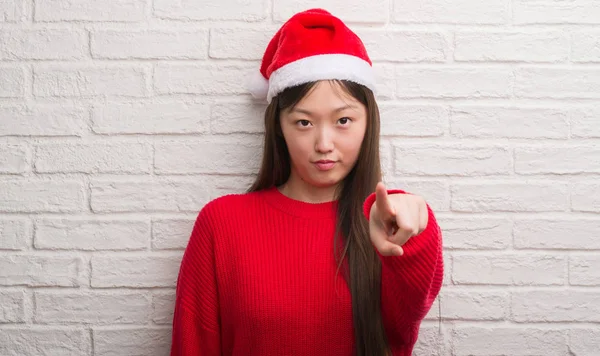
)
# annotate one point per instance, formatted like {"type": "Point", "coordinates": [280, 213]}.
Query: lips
{"type": "Point", "coordinates": [324, 165]}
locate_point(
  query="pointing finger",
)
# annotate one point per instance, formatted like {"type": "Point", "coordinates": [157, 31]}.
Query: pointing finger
{"type": "Point", "coordinates": [382, 202]}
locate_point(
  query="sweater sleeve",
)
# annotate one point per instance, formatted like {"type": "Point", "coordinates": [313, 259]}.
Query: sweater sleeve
{"type": "Point", "coordinates": [196, 318]}
{"type": "Point", "coordinates": [411, 282]}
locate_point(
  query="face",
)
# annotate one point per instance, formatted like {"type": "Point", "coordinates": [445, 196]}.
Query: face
{"type": "Point", "coordinates": [324, 133]}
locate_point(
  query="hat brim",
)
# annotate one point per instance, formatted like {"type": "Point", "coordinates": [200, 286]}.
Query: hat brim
{"type": "Point", "coordinates": [321, 67]}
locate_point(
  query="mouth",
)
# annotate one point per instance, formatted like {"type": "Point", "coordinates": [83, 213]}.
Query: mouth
{"type": "Point", "coordinates": [324, 165]}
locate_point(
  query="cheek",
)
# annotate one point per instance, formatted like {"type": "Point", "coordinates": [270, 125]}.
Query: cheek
{"type": "Point", "coordinates": [350, 146]}
{"type": "Point", "coordinates": [299, 149]}
{"type": "Point", "coordinates": [350, 154]}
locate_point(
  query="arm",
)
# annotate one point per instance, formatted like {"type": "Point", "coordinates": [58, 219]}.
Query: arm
{"type": "Point", "coordinates": [196, 318]}
{"type": "Point", "coordinates": [411, 282]}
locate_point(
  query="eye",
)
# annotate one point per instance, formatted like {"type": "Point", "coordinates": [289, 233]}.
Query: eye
{"type": "Point", "coordinates": [303, 123]}
{"type": "Point", "coordinates": [345, 120]}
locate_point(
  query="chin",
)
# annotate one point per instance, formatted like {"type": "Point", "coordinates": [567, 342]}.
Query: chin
{"type": "Point", "coordinates": [323, 179]}
{"type": "Point", "coordinates": [325, 183]}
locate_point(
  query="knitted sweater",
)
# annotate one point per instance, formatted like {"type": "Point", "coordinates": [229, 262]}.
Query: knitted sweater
{"type": "Point", "coordinates": [258, 277]}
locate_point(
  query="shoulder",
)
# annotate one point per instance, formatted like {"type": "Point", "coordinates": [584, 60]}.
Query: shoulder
{"type": "Point", "coordinates": [227, 205]}
{"type": "Point", "coordinates": [214, 219]}
{"type": "Point", "coordinates": [231, 201]}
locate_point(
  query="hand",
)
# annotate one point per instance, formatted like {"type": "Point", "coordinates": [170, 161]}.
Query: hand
{"type": "Point", "coordinates": [395, 218]}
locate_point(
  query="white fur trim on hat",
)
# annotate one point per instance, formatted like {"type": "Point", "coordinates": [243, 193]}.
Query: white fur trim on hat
{"type": "Point", "coordinates": [321, 67]}
{"type": "Point", "coordinates": [257, 85]}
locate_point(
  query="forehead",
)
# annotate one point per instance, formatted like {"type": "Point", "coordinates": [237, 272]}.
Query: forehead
{"type": "Point", "coordinates": [327, 96]}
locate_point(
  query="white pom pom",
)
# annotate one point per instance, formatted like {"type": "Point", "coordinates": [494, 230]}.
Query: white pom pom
{"type": "Point", "coordinates": [258, 85]}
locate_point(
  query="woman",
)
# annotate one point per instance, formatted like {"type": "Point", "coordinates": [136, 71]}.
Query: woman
{"type": "Point", "coordinates": [317, 258]}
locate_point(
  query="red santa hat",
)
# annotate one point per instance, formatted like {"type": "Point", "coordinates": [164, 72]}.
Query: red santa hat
{"type": "Point", "coordinates": [312, 45]}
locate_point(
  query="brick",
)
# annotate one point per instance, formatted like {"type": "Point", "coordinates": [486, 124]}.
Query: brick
{"type": "Point", "coordinates": [556, 306]}
{"type": "Point", "coordinates": [508, 269]}
{"type": "Point", "coordinates": [557, 233]}
{"type": "Point", "coordinates": [432, 341]}
{"type": "Point", "coordinates": [447, 256]}
{"type": "Point", "coordinates": [89, 82]}
{"type": "Point", "coordinates": [474, 304]}
{"type": "Point", "coordinates": [385, 81]}
{"type": "Point", "coordinates": [436, 193]}
{"type": "Point", "coordinates": [584, 270]}
{"type": "Point", "coordinates": [508, 122]}
{"type": "Point", "coordinates": [223, 185]}
{"type": "Point", "coordinates": [120, 158]}
{"type": "Point", "coordinates": [12, 307]}
{"type": "Point", "coordinates": [449, 82]}
{"type": "Point", "coordinates": [11, 10]}
{"type": "Point", "coordinates": [386, 156]}
{"type": "Point", "coordinates": [405, 46]}
{"type": "Point", "coordinates": [43, 120]}
{"type": "Point", "coordinates": [40, 196]}
{"type": "Point", "coordinates": [226, 118]}
{"type": "Point", "coordinates": [20, 44]}
{"type": "Point", "coordinates": [32, 340]}
{"type": "Point", "coordinates": [14, 159]}
{"type": "Point", "coordinates": [585, 46]}
{"type": "Point", "coordinates": [557, 83]}
{"type": "Point", "coordinates": [452, 160]}
{"type": "Point", "coordinates": [39, 271]}
{"type": "Point", "coordinates": [455, 12]}
{"type": "Point", "coordinates": [171, 233]}
{"type": "Point", "coordinates": [132, 341]}
{"type": "Point", "coordinates": [163, 306]}
{"type": "Point", "coordinates": [413, 120]}
{"type": "Point", "coordinates": [217, 157]}
{"type": "Point", "coordinates": [476, 233]}
{"type": "Point", "coordinates": [249, 11]}
{"type": "Point", "coordinates": [557, 159]}
{"type": "Point", "coordinates": [91, 234]}
{"type": "Point", "coordinates": [511, 46]}
{"type": "Point", "coordinates": [12, 84]}
{"type": "Point", "coordinates": [136, 272]}
{"type": "Point", "coordinates": [150, 44]}
{"type": "Point", "coordinates": [556, 12]}
{"type": "Point", "coordinates": [225, 43]}
{"type": "Point", "coordinates": [376, 11]}
{"type": "Point", "coordinates": [134, 196]}
{"type": "Point", "coordinates": [584, 341]}
{"type": "Point", "coordinates": [203, 79]}
{"type": "Point", "coordinates": [495, 340]}
{"type": "Point", "coordinates": [584, 122]}
{"type": "Point", "coordinates": [586, 197]}
{"type": "Point", "coordinates": [507, 196]}
{"type": "Point", "coordinates": [14, 234]}
{"type": "Point", "coordinates": [151, 118]}
{"type": "Point", "coordinates": [90, 10]}
{"type": "Point", "coordinates": [89, 307]}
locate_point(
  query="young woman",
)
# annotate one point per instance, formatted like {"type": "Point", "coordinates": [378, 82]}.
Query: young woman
{"type": "Point", "coordinates": [317, 258]}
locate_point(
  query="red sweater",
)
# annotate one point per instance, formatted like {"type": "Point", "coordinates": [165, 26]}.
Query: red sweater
{"type": "Point", "coordinates": [258, 277]}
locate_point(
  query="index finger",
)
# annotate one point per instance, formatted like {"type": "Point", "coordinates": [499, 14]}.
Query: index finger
{"type": "Point", "coordinates": [382, 202]}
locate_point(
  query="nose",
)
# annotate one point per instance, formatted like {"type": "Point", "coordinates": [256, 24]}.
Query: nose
{"type": "Point", "coordinates": [324, 142]}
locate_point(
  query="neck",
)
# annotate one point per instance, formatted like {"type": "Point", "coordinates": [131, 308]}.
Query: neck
{"type": "Point", "coordinates": [297, 189]}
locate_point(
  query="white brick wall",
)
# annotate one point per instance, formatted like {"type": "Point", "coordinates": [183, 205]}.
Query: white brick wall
{"type": "Point", "coordinates": [120, 119]}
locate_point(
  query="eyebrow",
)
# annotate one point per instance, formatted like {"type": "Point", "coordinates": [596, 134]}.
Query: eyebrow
{"type": "Point", "coordinates": [309, 113]}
